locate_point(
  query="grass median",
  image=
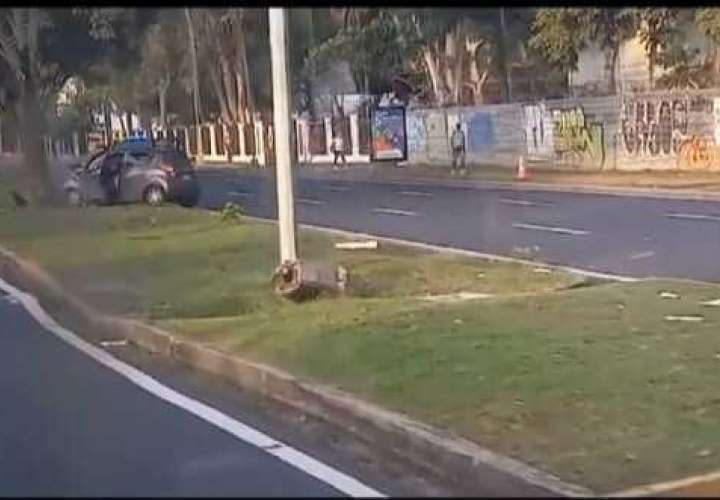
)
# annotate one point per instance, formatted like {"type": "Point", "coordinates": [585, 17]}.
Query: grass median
{"type": "Point", "coordinates": [593, 383]}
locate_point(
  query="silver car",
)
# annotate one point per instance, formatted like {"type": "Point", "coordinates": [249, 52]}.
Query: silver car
{"type": "Point", "coordinates": [153, 175]}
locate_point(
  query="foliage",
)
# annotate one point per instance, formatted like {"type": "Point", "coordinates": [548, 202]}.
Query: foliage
{"type": "Point", "coordinates": [560, 34]}
{"type": "Point", "coordinates": [708, 20]}
{"type": "Point", "coordinates": [231, 212]}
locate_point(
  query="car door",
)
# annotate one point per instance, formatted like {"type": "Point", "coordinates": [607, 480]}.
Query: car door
{"type": "Point", "coordinates": [133, 179]}
{"type": "Point", "coordinates": [89, 180]}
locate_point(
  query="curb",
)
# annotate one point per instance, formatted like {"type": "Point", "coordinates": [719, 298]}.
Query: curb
{"type": "Point", "coordinates": [453, 459]}
{"type": "Point", "coordinates": [371, 177]}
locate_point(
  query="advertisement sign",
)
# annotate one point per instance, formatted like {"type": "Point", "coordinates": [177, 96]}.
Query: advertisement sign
{"type": "Point", "coordinates": [387, 128]}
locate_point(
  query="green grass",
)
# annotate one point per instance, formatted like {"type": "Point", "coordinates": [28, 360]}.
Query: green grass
{"type": "Point", "coordinates": [590, 383]}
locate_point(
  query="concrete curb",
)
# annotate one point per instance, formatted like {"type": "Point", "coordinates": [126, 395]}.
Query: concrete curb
{"type": "Point", "coordinates": [451, 458]}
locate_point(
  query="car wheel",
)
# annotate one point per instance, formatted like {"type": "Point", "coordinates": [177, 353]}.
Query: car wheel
{"type": "Point", "coordinates": [154, 195]}
{"type": "Point", "coordinates": [72, 196]}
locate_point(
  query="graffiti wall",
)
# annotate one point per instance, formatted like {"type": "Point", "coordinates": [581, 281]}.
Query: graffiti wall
{"type": "Point", "coordinates": [480, 132]}
{"type": "Point", "coordinates": [661, 130]}
{"type": "Point", "coordinates": [668, 131]}
{"type": "Point", "coordinates": [568, 133]}
{"type": "Point", "coordinates": [416, 134]}
{"type": "Point", "coordinates": [538, 130]}
{"type": "Point", "coordinates": [577, 140]}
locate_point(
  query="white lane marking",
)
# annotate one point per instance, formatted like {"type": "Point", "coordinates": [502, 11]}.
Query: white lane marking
{"type": "Point", "coordinates": [419, 194]}
{"type": "Point", "coordinates": [674, 215]}
{"type": "Point", "coordinates": [240, 194]}
{"type": "Point", "coordinates": [308, 201]}
{"type": "Point", "coordinates": [524, 203]}
{"type": "Point", "coordinates": [642, 255]}
{"type": "Point", "coordinates": [113, 343]}
{"type": "Point", "coordinates": [492, 257]}
{"type": "Point", "coordinates": [559, 230]}
{"type": "Point", "coordinates": [295, 458]}
{"type": "Point", "coordinates": [394, 211]}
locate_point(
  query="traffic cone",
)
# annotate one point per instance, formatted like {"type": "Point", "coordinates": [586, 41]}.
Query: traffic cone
{"type": "Point", "coordinates": [521, 172]}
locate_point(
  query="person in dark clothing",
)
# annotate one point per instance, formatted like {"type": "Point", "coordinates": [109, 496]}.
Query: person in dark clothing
{"type": "Point", "coordinates": [110, 177]}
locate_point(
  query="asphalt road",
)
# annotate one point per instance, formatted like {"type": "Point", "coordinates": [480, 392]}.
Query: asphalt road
{"type": "Point", "coordinates": [70, 426]}
{"type": "Point", "coordinates": [631, 236]}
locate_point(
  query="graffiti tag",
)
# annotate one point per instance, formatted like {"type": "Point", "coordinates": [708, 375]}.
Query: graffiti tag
{"type": "Point", "coordinates": [576, 140]}
{"type": "Point", "coordinates": [651, 128]}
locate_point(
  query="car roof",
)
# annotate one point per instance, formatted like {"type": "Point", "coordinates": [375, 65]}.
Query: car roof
{"type": "Point", "coordinates": [133, 145]}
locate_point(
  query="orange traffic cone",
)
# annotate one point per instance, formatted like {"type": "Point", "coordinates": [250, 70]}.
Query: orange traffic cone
{"type": "Point", "coordinates": [521, 172]}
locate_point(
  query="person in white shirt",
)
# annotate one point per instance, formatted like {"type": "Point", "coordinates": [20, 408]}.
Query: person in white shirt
{"type": "Point", "coordinates": [338, 149]}
{"type": "Point", "coordinates": [457, 142]}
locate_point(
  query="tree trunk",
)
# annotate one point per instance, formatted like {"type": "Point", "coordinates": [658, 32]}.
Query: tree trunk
{"type": "Point", "coordinates": [448, 59]}
{"type": "Point", "coordinates": [613, 63]}
{"type": "Point", "coordinates": [31, 128]}
{"type": "Point", "coordinates": [219, 93]}
{"type": "Point", "coordinates": [230, 89]}
{"type": "Point", "coordinates": [458, 65]}
{"type": "Point", "coordinates": [716, 65]}
{"type": "Point", "coordinates": [651, 67]}
{"type": "Point", "coordinates": [249, 95]}
{"type": "Point", "coordinates": [241, 97]}
{"type": "Point", "coordinates": [162, 98]}
{"type": "Point", "coordinates": [434, 71]}
{"type": "Point", "coordinates": [506, 67]}
{"type": "Point", "coordinates": [193, 58]}
{"type": "Point", "coordinates": [128, 121]}
{"type": "Point", "coordinates": [107, 116]}
{"type": "Point", "coordinates": [124, 128]}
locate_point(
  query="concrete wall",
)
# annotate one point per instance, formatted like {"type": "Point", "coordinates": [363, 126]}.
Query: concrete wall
{"type": "Point", "coordinates": [658, 131]}
{"type": "Point", "coordinates": [670, 130]}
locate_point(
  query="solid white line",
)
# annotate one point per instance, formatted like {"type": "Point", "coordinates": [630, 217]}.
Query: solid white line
{"type": "Point", "coordinates": [393, 211]}
{"type": "Point", "coordinates": [307, 201]}
{"type": "Point", "coordinates": [560, 230]}
{"type": "Point", "coordinates": [419, 194]}
{"type": "Point", "coordinates": [655, 489]}
{"type": "Point", "coordinates": [523, 203]}
{"type": "Point", "coordinates": [715, 218]}
{"type": "Point", "coordinates": [297, 459]}
{"type": "Point", "coordinates": [643, 255]}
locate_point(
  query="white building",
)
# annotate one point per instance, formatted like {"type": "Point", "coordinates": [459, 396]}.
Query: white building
{"type": "Point", "coordinates": [631, 70]}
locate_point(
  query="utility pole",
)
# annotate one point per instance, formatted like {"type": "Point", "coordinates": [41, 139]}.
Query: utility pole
{"type": "Point", "coordinates": [283, 133]}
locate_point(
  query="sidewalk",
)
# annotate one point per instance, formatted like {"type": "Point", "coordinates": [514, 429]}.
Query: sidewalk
{"type": "Point", "coordinates": [671, 184]}
{"type": "Point", "coordinates": [663, 184]}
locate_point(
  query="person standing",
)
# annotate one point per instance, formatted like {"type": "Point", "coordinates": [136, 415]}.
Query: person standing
{"type": "Point", "coordinates": [338, 148]}
{"type": "Point", "coordinates": [457, 142]}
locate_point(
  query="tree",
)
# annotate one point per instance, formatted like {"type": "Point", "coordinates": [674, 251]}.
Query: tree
{"type": "Point", "coordinates": [656, 25]}
{"type": "Point", "coordinates": [222, 36]}
{"type": "Point", "coordinates": [609, 28]}
{"type": "Point", "coordinates": [560, 35]}
{"type": "Point", "coordinates": [41, 49]}
{"type": "Point", "coordinates": [162, 53]}
{"type": "Point", "coordinates": [192, 45]}
{"type": "Point", "coordinates": [708, 20]}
